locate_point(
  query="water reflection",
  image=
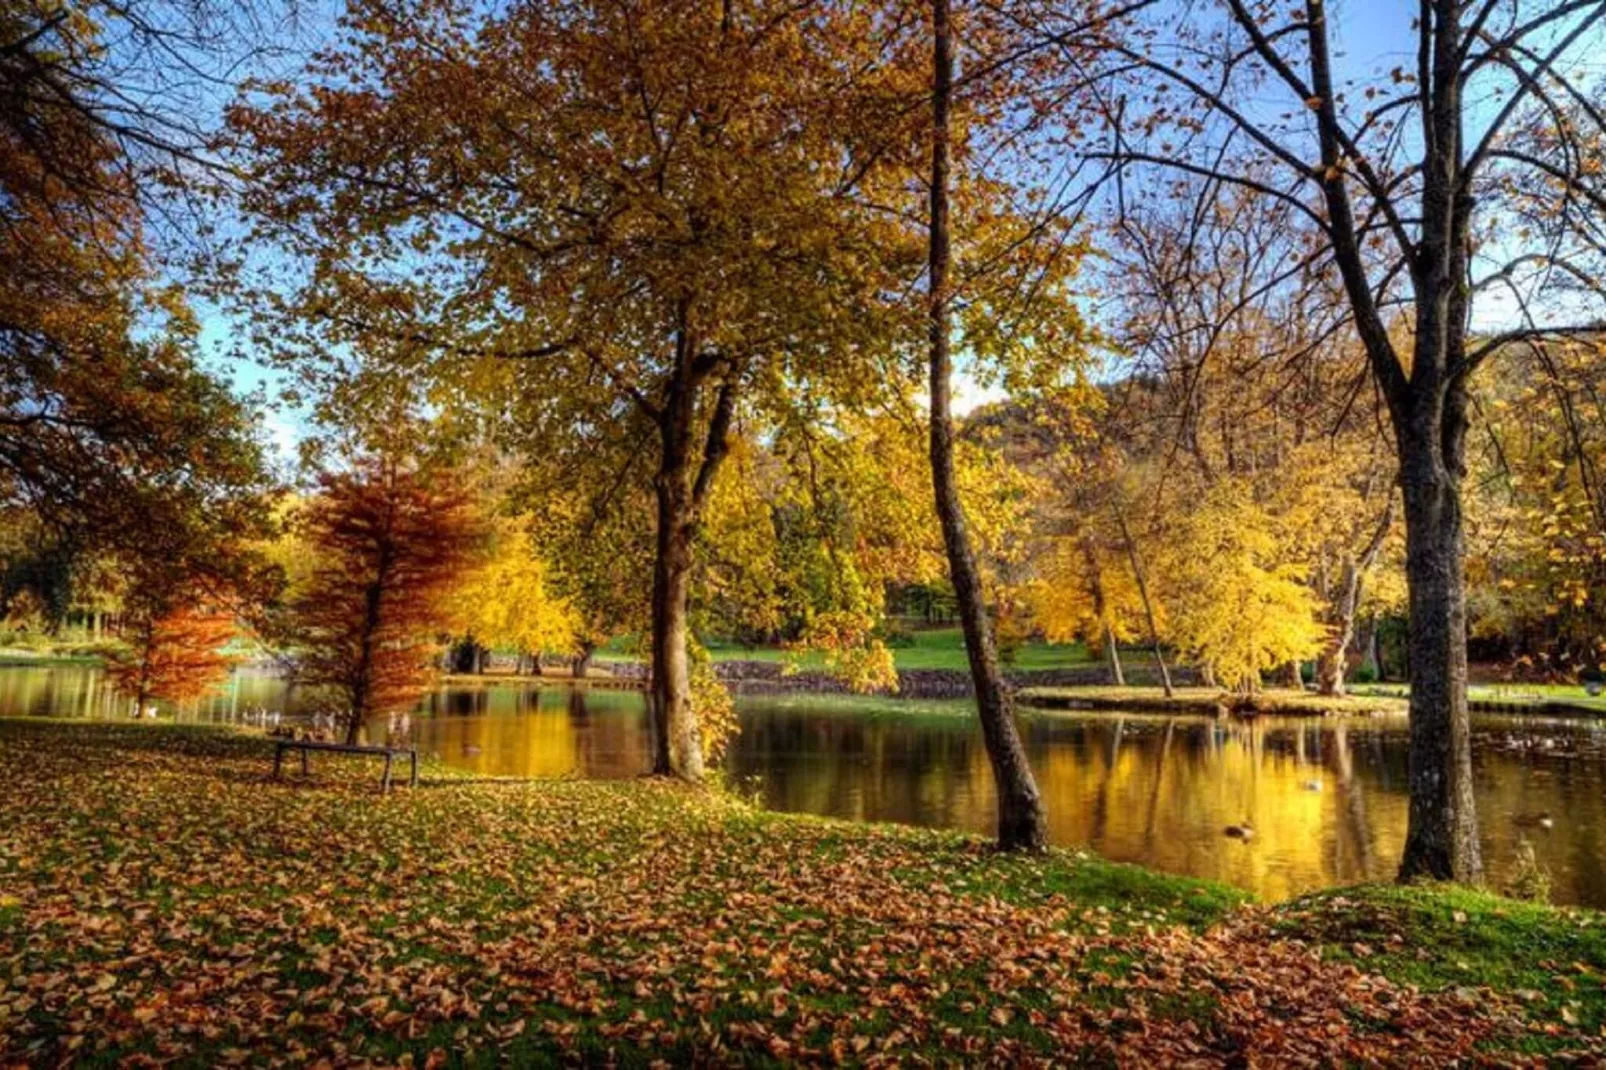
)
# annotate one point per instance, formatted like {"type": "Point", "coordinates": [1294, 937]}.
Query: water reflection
{"type": "Point", "coordinates": [1326, 798]}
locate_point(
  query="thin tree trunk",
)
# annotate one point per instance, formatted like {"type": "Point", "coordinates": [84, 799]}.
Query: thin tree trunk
{"type": "Point", "coordinates": [1330, 665]}
{"type": "Point", "coordinates": [361, 684]}
{"type": "Point", "coordinates": [1021, 824]}
{"type": "Point", "coordinates": [1112, 655]}
{"type": "Point", "coordinates": [1112, 658]}
{"type": "Point", "coordinates": [1148, 606]}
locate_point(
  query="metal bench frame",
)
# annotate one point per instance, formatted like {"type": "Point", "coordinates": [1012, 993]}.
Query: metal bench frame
{"type": "Point", "coordinates": [307, 746]}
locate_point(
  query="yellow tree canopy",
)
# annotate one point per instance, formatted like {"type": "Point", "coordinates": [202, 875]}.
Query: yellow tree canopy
{"type": "Point", "coordinates": [1234, 605]}
{"type": "Point", "coordinates": [507, 603]}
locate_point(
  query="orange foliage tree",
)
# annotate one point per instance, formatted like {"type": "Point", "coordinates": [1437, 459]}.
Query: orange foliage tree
{"type": "Point", "coordinates": [176, 654]}
{"type": "Point", "coordinates": [392, 545]}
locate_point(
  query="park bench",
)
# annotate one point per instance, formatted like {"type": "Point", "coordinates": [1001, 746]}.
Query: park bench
{"type": "Point", "coordinates": [306, 746]}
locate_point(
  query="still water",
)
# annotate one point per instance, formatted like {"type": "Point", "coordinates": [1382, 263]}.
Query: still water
{"type": "Point", "coordinates": [1326, 798]}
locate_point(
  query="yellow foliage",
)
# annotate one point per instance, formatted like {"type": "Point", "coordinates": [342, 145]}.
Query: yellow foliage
{"type": "Point", "coordinates": [1234, 606]}
{"type": "Point", "coordinates": [1079, 595]}
{"type": "Point", "coordinates": [852, 652]}
{"type": "Point", "coordinates": [711, 705]}
{"type": "Point", "coordinates": [506, 603]}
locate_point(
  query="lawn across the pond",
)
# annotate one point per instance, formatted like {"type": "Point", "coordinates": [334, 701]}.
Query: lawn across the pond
{"type": "Point", "coordinates": [163, 901]}
{"type": "Point", "coordinates": [927, 648]}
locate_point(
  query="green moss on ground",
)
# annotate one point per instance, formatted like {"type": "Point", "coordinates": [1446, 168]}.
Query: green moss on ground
{"type": "Point", "coordinates": [1443, 937]}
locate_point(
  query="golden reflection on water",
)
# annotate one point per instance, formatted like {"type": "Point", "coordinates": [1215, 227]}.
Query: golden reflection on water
{"type": "Point", "coordinates": [1168, 803]}
{"type": "Point", "coordinates": [1326, 799]}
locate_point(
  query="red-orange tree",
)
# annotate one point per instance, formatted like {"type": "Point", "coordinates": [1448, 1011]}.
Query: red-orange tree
{"type": "Point", "coordinates": [392, 544]}
{"type": "Point", "coordinates": [177, 654]}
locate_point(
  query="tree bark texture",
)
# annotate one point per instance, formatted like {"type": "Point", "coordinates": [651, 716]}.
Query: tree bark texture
{"type": "Point", "coordinates": [1021, 823]}
{"type": "Point", "coordinates": [682, 485]}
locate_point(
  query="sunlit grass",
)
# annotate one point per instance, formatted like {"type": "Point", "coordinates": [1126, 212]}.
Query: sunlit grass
{"type": "Point", "coordinates": [926, 648]}
{"type": "Point", "coordinates": [160, 896]}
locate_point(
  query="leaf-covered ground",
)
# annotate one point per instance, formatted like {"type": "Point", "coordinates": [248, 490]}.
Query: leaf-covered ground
{"type": "Point", "coordinates": [163, 901]}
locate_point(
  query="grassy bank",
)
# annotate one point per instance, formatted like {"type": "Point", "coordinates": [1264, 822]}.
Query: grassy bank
{"type": "Point", "coordinates": [1206, 700]}
{"type": "Point", "coordinates": [162, 900]}
{"type": "Point", "coordinates": [933, 648]}
{"type": "Point", "coordinates": [13, 657]}
{"type": "Point", "coordinates": [1557, 699]}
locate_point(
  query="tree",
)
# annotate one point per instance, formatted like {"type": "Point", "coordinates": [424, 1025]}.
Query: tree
{"type": "Point", "coordinates": [1021, 824]}
{"type": "Point", "coordinates": [111, 434]}
{"type": "Point", "coordinates": [174, 653]}
{"type": "Point", "coordinates": [508, 602]}
{"type": "Point", "coordinates": [620, 220]}
{"type": "Point", "coordinates": [1537, 537]}
{"type": "Point", "coordinates": [1081, 593]}
{"type": "Point", "coordinates": [392, 545]}
{"type": "Point", "coordinates": [1234, 606]}
{"type": "Point", "coordinates": [1404, 181]}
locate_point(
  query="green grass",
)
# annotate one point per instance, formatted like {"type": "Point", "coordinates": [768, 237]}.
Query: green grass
{"type": "Point", "coordinates": [161, 897]}
{"type": "Point", "coordinates": [931, 648]}
{"type": "Point", "coordinates": [1512, 694]}
{"type": "Point", "coordinates": [1444, 937]}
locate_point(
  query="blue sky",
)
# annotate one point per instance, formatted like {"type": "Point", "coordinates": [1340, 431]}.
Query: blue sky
{"type": "Point", "coordinates": [1370, 35]}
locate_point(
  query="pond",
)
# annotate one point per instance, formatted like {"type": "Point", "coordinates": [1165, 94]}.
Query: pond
{"type": "Point", "coordinates": [1326, 798]}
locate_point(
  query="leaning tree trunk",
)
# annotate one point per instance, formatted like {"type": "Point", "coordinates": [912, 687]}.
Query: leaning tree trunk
{"type": "Point", "coordinates": [1148, 605]}
{"type": "Point", "coordinates": [1112, 654]}
{"type": "Point", "coordinates": [1442, 833]}
{"type": "Point", "coordinates": [1020, 806]}
{"type": "Point", "coordinates": [1112, 658]}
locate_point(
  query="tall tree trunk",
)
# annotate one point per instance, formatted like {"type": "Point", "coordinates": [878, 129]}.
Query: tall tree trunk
{"type": "Point", "coordinates": [362, 682]}
{"type": "Point", "coordinates": [1293, 676]}
{"type": "Point", "coordinates": [1020, 807]}
{"type": "Point", "coordinates": [677, 747]}
{"type": "Point", "coordinates": [1442, 831]}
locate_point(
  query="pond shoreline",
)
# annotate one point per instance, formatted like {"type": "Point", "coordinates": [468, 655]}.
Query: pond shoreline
{"type": "Point", "coordinates": [1211, 702]}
